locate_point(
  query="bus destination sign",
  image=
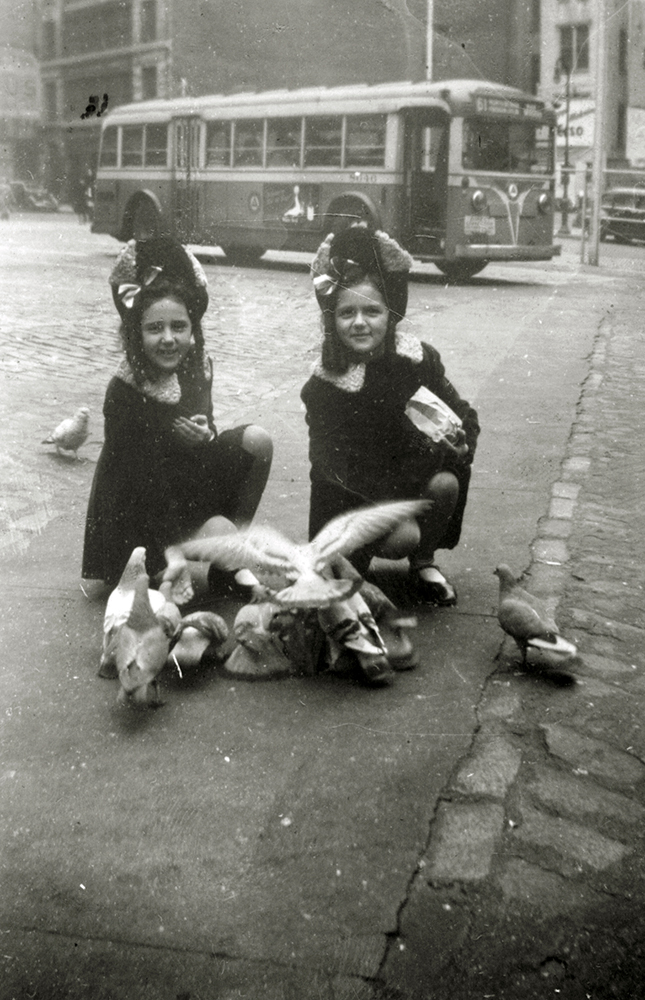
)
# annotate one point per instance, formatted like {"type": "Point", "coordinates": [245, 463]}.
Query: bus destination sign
{"type": "Point", "coordinates": [502, 106]}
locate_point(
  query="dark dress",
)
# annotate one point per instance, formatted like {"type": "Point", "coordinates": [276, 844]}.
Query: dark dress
{"type": "Point", "coordinates": [149, 488]}
{"type": "Point", "coordinates": [363, 448]}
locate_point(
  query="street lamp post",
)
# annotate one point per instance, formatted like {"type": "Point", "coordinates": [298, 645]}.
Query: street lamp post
{"type": "Point", "coordinates": [559, 68]}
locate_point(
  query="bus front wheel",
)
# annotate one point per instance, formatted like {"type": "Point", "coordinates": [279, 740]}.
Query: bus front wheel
{"type": "Point", "coordinates": [461, 270]}
{"type": "Point", "coordinates": [243, 255]}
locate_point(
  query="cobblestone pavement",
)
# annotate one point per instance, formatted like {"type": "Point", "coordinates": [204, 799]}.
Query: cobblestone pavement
{"type": "Point", "coordinates": [534, 877]}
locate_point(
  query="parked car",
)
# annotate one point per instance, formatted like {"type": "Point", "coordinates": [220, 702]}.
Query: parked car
{"type": "Point", "coordinates": [32, 199]}
{"type": "Point", "coordinates": [622, 214]}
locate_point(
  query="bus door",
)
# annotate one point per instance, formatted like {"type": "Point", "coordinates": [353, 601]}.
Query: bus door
{"type": "Point", "coordinates": [185, 188]}
{"type": "Point", "coordinates": [426, 173]}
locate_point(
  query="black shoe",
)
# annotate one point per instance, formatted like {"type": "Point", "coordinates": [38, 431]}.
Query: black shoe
{"type": "Point", "coordinates": [433, 588]}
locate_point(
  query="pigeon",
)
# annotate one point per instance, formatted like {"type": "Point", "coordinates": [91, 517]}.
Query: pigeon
{"type": "Point", "coordinates": [195, 634]}
{"type": "Point", "coordinates": [142, 647]}
{"type": "Point", "coordinates": [119, 605]}
{"type": "Point", "coordinates": [71, 433]}
{"type": "Point", "coordinates": [260, 652]}
{"type": "Point", "coordinates": [527, 619]}
{"type": "Point", "coordinates": [301, 576]}
{"type": "Point", "coordinates": [349, 625]}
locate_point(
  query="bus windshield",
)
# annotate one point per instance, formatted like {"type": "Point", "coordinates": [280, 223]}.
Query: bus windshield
{"type": "Point", "coordinates": [507, 146]}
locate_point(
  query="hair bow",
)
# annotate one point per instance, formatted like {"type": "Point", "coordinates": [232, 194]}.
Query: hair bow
{"type": "Point", "coordinates": [341, 267]}
{"type": "Point", "coordinates": [128, 292]}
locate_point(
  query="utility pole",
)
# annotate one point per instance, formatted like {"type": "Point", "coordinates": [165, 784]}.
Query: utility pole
{"type": "Point", "coordinates": [599, 131]}
{"type": "Point", "coordinates": [561, 67]}
{"type": "Point", "coordinates": [429, 31]}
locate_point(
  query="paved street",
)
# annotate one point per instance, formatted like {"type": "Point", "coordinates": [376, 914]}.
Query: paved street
{"type": "Point", "coordinates": [474, 831]}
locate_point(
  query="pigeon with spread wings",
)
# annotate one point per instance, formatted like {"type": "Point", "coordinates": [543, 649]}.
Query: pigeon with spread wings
{"type": "Point", "coordinates": [300, 576]}
{"type": "Point", "coordinates": [527, 619]}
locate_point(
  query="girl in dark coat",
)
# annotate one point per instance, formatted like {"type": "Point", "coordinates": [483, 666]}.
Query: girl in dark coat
{"type": "Point", "coordinates": [164, 472]}
{"type": "Point", "coordinates": [363, 447]}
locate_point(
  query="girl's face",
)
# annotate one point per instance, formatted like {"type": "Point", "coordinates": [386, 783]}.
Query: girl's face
{"type": "Point", "coordinates": [166, 333]}
{"type": "Point", "coordinates": [362, 320]}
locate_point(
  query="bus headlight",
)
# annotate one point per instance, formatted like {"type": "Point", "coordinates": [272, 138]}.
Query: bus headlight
{"type": "Point", "coordinates": [478, 200]}
{"type": "Point", "coordinates": [544, 202]}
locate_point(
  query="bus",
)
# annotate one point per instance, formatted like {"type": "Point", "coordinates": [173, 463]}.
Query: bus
{"type": "Point", "coordinates": [460, 172]}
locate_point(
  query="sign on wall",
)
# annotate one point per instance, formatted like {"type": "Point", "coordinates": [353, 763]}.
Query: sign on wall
{"type": "Point", "coordinates": [581, 122]}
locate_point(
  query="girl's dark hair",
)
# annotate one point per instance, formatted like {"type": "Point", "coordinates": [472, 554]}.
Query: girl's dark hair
{"type": "Point", "coordinates": [131, 336]}
{"type": "Point", "coordinates": [334, 354]}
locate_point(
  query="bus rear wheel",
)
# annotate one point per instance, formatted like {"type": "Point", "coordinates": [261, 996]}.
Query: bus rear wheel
{"type": "Point", "coordinates": [461, 270]}
{"type": "Point", "coordinates": [243, 255]}
{"type": "Point", "coordinates": [146, 222]}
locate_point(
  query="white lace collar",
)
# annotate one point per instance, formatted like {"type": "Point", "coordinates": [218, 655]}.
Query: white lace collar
{"type": "Point", "coordinates": [353, 380]}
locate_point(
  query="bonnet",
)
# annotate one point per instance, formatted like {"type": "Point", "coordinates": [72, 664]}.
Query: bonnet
{"type": "Point", "coordinates": [357, 249]}
{"type": "Point", "coordinates": [140, 263]}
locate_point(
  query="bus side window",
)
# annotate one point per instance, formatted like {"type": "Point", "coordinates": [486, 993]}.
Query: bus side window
{"type": "Point", "coordinates": [109, 146]}
{"type": "Point", "coordinates": [283, 142]}
{"type": "Point", "coordinates": [218, 144]}
{"type": "Point", "coordinates": [132, 146]}
{"type": "Point", "coordinates": [156, 145]}
{"type": "Point", "coordinates": [323, 142]}
{"type": "Point", "coordinates": [365, 141]}
{"type": "Point", "coordinates": [249, 139]}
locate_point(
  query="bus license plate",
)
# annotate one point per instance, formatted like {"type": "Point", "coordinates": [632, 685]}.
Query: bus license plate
{"type": "Point", "coordinates": [474, 224]}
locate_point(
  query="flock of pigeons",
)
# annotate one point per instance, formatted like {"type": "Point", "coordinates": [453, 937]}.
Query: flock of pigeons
{"type": "Point", "coordinates": [144, 628]}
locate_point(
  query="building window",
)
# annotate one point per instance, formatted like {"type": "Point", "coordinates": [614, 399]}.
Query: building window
{"type": "Point", "coordinates": [622, 51]}
{"type": "Point", "coordinates": [621, 128]}
{"type": "Point", "coordinates": [49, 39]}
{"type": "Point", "coordinates": [94, 29]}
{"type": "Point", "coordinates": [51, 100]}
{"type": "Point", "coordinates": [535, 72]}
{"type": "Point", "coordinates": [574, 47]}
{"type": "Point", "coordinates": [149, 82]}
{"type": "Point", "coordinates": [148, 20]}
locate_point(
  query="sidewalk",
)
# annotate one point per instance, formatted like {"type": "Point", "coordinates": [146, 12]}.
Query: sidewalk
{"type": "Point", "coordinates": [533, 882]}
{"type": "Point", "coordinates": [471, 832]}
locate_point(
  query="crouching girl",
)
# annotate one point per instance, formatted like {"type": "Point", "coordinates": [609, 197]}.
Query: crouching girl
{"type": "Point", "coordinates": [363, 447]}
{"type": "Point", "coordinates": [164, 473]}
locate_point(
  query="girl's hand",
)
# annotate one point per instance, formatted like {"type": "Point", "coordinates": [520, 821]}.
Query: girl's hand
{"type": "Point", "coordinates": [456, 450]}
{"type": "Point", "coordinates": [193, 431]}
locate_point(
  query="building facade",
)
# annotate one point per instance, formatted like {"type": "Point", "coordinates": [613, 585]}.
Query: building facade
{"type": "Point", "coordinates": [20, 93]}
{"type": "Point", "coordinates": [568, 79]}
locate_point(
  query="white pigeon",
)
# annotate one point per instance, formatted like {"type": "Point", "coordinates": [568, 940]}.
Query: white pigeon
{"type": "Point", "coordinates": [527, 619]}
{"type": "Point", "coordinates": [142, 647]}
{"type": "Point", "coordinates": [71, 433]}
{"type": "Point", "coordinates": [119, 606]}
{"type": "Point", "coordinates": [301, 576]}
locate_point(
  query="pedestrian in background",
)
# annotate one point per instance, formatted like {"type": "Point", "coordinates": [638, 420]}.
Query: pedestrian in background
{"type": "Point", "coordinates": [164, 472]}
{"type": "Point", "coordinates": [363, 447]}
